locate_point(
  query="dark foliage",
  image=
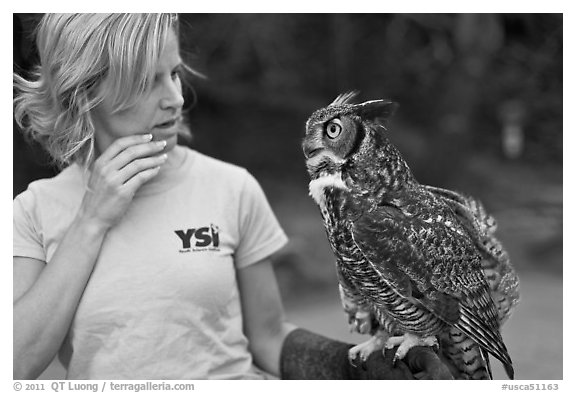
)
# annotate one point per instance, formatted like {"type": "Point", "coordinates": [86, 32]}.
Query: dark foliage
{"type": "Point", "coordinates": [459, 79]}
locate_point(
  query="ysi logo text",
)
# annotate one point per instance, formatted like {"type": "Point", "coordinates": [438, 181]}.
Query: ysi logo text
{"type": "Point", "coordinates": [199, 239]}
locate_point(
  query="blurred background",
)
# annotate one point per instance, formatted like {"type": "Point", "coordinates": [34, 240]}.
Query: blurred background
{"type": "Point", "coordinates": [480, 112]}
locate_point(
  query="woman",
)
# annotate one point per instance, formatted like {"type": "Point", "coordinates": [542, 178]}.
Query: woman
{"type": "Point", "coordinates": [143, 259]}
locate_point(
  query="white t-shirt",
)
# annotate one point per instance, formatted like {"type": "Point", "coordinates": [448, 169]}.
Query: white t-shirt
{"type": "Point", "coordinates": [162, 301]}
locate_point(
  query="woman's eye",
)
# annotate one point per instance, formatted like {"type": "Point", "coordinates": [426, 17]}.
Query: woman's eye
{"type": "Point", "coordinates": [176, 73]}
{"type": "Point", "coordinates": [333, 129]}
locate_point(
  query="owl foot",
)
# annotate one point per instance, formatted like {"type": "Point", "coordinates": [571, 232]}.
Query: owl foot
{"type": "Point", "coordinates": [408, 341]}
{"type": "Point", "coordinates": [363, 350]}
{"type": "Point", "coordinates": [360, 322]}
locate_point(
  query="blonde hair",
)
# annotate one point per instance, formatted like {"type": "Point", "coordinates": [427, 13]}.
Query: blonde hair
{"type": "Point", "coordinates": [77, 53]}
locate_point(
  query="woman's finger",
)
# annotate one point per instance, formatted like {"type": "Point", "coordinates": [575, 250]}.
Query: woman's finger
{"type": "Point", "coordinates": [135, 152]}
{"type": "Point", "coordinates": [136, 181]}
{"type": "Point", "coordinates": [140, 165]}
{"type": "Point", "coordinates": [121, 144]}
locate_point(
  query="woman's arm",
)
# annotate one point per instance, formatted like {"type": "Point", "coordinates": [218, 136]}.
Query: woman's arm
{"type": "Point", "coordinates": [46, 295]}
{"type": "Point", "coordinates": [265, 324]}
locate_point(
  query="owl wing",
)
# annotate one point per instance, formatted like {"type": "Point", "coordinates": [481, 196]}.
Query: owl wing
{"type": "Point", "coordinates": [499, 272]}
{"type": "Point", "coordinates": [426, 263]}
{"type": "Point", "coordinates": [383, 239]}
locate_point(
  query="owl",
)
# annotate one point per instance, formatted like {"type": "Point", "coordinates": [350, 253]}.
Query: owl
{"type": "Point", "coordinates": [416, 265]}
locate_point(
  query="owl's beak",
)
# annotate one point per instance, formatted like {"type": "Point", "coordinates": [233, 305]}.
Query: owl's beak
{"type": "Point", "coordinates": [310, 150]}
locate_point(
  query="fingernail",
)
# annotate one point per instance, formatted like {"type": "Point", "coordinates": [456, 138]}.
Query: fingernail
{"type": "Point", "coordinates": [163, 157]}
{"type": "Point", "coordinates": [161, 144]}
{"type": "Point", "coordinates": [147, 137]}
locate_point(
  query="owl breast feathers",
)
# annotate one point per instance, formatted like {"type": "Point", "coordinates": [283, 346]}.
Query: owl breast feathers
{"type": "Point", "coordinates": [417, 265]}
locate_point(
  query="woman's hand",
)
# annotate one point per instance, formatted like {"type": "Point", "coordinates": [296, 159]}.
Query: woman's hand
{"type": "Point", "coordinates": [117, 174]}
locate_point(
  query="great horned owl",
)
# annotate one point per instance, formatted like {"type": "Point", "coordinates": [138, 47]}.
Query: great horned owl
{"type": "Point", "coordinates": [417, 265]}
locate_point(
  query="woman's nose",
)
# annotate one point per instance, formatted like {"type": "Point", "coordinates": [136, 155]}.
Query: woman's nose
{"type": "Point", "coordinates": [173, 98]}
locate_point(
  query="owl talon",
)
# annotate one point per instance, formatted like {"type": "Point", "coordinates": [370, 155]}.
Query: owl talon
{"type": "Point", "coordinates": [364, 349]}
{"type": "Point", "coordinates": [352, 359]}
{"type": "Point", "coordinates": [357, 362]}
{"type": "Point", "coordinates": [393, 341]}
{"type": "Point", "coordinates": [408, 341]}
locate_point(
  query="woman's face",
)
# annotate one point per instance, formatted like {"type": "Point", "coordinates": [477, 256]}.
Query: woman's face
{"type": "Point", "coordinates": [156, 113]}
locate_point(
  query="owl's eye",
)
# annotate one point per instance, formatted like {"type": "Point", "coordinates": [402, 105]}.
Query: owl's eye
{"type": "Point", "coordinates": [333, 129]}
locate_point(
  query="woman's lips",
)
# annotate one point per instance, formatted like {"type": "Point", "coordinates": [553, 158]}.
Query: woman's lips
{"type": "Point", "coordinates": [168, 124]}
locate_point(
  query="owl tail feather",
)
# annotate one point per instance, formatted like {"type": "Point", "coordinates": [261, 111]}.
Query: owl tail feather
{"type": "Point", "coordinates": [465, 358]}
{"type": "Point", "coordinates": [487, 337]}
{"type": "Point", "coordinates": [487, 360]}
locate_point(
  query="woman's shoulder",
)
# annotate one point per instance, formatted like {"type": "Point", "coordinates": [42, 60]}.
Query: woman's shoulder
{"type": "Point", "coordinates": [65, 182]}
{"type": "Point", "coordinates": [214, 168]}
{"type": "Point", "coordinates": [220, 176]}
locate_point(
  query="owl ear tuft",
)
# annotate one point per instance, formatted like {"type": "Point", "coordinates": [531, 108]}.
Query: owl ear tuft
{"type": "Point", "coordinates": [344, 98]}
{"type": "Point", "coordinates": [376, 110]}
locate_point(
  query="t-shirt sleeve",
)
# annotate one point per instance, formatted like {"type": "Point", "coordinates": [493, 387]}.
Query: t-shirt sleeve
{"type": "Point", "coordinates": [260, 232]}
{"type": "Point", "coordinates": [27, 239]}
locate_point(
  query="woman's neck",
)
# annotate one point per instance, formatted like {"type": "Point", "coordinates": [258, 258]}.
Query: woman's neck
{"type": "Point", "coordinates": [175, 159]}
